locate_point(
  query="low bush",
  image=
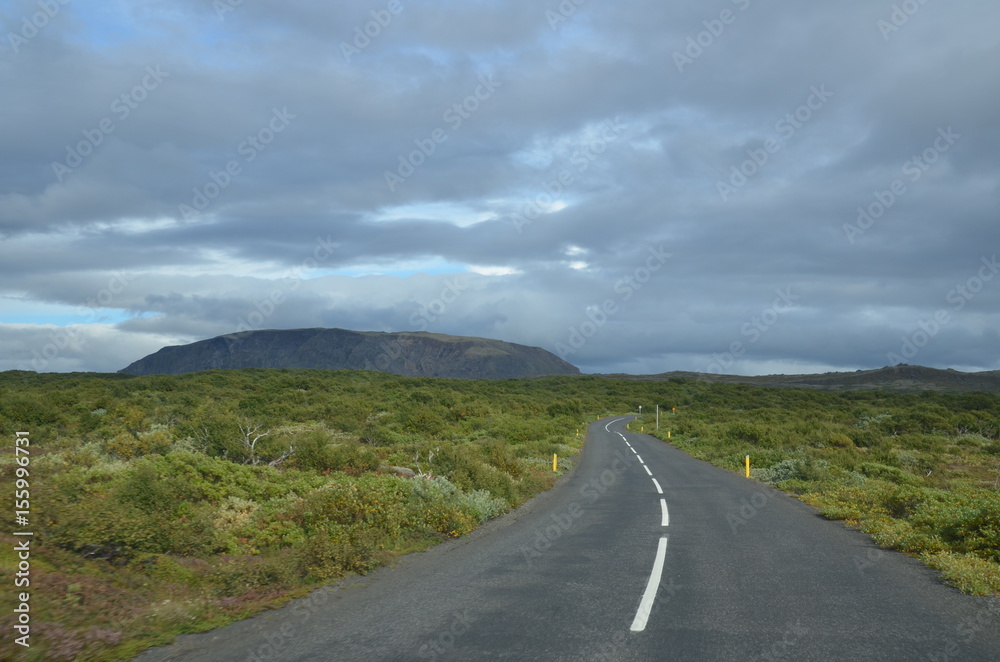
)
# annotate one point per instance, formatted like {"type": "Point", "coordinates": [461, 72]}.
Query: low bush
{"type": "Point", "coordinates": [917, 472]}
{"type": "Point", "coordinates": [150, 503]}
{"type": "Point", "coordinates": [794, 469]}
{"type": "Point", "coordinates": [893, 474]}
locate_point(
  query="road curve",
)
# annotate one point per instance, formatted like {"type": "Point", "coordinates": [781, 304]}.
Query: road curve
{"type": "Point", "coordinates": [644, 553]}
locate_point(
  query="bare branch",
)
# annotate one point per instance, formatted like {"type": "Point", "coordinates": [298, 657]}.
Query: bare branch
{"type": "Point", "coordinates": [251, 435]}
{"type": "Point", "coordinates": [284, 456]}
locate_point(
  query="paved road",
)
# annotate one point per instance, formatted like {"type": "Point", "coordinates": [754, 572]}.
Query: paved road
{"type": "Point", "coordinates": [605, 567]}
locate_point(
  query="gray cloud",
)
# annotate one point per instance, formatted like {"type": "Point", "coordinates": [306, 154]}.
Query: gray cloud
{"type": "Point", "coordinates": [609, 131]}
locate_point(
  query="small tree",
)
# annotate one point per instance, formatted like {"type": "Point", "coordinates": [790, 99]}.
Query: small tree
{"type": "Point", "coordinates": [372, 432]}
{"type": "Point", "coordinates": [250, 436]}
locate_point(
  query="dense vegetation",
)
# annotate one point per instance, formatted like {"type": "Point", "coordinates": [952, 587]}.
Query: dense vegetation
{"type": "Point", "coordinates": [920, 473]}
{"type": "Point", "coordinates": [169, 504]}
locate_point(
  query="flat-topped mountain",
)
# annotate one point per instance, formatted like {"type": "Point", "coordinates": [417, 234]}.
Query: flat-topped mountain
{"type": "Point", "coordinates": [417, 354]}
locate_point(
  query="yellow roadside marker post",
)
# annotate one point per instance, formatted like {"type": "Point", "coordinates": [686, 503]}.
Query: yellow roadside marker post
{"type": "Point", "coordinates": [748, 466]}
{"type": "Point", "coordinates": [555, 462]}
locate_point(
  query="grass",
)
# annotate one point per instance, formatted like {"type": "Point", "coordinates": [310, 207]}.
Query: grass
{"type": "Point", "coordinates": [175, 504]}
{"type": "Point", "coordinates": [164, 506]}
{"type": "Point", "coordinates": [919, 473]}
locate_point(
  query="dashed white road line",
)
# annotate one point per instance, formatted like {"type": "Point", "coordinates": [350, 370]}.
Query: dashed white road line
{"type": "Point", "coordinates": [649, 596]}
{"type": "Point", "coordinates": [646, 604]}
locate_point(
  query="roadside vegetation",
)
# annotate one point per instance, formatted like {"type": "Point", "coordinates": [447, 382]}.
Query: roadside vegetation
{"type": "Point", "coordinates": [920, 473]}
{"type": "Point", "coordinates": [173, 504]}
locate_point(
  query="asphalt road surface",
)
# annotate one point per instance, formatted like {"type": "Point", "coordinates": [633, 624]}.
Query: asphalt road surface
{"type": "Point", "coordinates": [642, 554]}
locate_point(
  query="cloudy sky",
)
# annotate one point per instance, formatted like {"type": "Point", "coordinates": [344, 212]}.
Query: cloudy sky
{"type": "Point", "coordinates": [740, 186]}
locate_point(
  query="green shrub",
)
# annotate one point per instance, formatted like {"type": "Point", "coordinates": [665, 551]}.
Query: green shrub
{"type": "Point", "coordinates": [146, 487]}
{"type": "Point", "coordinates": [840, 440]}
{"type": "Point", "coordinates": [371, 501]}
{"type": "Point", "coordinates": [890, 473]}
{"type": "Point", "coordinates": [921, 442]}
{"type": "Point", "coordinates": [166, 568]}
{"type": "Point", "coordinates": [499, 455]}
{"type": "Point", "coordinates": [474, 476]}
{"type": "Point", "coordinates": [127, 446]}
{"type": "Point", "coordinates": [102, 527]}
{"type": "Point", "coordinates": [484, 506]}
{"type": "Point", "coordinates": [352, 457]}
{"type": "Point", "coordinates": [237, 575]}
{"type": "Point", "coordinates": [968, 522]}
{"type": "Point", "coordinates": [793, 469]}
{"type": "Point", "coordinates": [901, 501]}
{"type": "Point", "coordinates": [439, 504]}
{"type": "Point", "coordinates": [334, 550]}
{"type": "Point", "coordinates": [570, 407]}
{"type": "Point", "coordinates": [969, 573]}
{"type": "Point", "coordinates": [312, 449]}
{"type": "Point", "coordinates": [325, 555]}
{"type": "Point", "coordinates": [864, 438]}
{"type": "Point", "coordinates": [193, 532]}
{"type": "Point", "coordinates": [745, 433]}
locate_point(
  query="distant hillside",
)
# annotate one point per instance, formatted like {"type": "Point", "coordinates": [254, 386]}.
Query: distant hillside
{"type": "Point", "coordinates": [896, 378]}
{"type": "Point", "coordinates": [410, 354]}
